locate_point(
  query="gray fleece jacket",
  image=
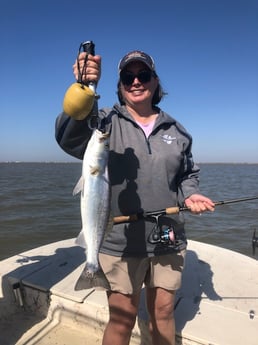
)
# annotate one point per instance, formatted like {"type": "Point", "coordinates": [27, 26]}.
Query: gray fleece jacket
{"type": "Point", "coordinates": [146, 174]}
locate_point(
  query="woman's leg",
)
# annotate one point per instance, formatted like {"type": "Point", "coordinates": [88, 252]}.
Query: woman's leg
{"type": "Point", "coordinates": [160, 303]}
{"type": "Point", "coordinates": [123, 311]}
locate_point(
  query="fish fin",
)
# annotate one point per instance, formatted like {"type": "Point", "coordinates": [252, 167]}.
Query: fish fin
{"type": "Point", "coordinates": [106, 180]}
{"type": "Point", "coordinates": [80, 240]}
{"type": "Point", "coordinates": [106, 175]}
{"type": "Point", "coordinates": [79, 186]}
{"type": "Point", "coordinates": [88, 280]}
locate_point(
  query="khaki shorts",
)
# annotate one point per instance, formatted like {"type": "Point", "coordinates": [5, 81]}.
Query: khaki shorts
{"type": "Point", "coordinates": [127, 275]}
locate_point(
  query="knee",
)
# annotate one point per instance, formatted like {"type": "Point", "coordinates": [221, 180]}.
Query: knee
{"type": "Point", "coordinates": [163, 311]}
{"type": "Point", "coordinates": [123, 321]}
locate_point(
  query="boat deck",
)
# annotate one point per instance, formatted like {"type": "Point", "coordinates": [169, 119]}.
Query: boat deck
{"type": "Point", "coordinates": [217, 304]}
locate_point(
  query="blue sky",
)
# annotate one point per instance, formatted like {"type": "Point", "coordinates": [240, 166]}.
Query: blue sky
{"type": "Point", "coordinates": [206, 55]}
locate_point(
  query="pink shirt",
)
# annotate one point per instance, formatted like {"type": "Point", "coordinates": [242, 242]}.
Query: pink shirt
{"type": "Point", "coordinates": [147, 128]}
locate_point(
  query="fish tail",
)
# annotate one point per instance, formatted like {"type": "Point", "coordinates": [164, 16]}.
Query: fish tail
{"type": "Point", "coordinates": [90, 279]}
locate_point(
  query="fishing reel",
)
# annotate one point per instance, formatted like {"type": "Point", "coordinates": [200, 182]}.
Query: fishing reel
{"type": "Point", "coordinates": [167, 236]}
{"type": "Point", "coordinates": [162, 235]}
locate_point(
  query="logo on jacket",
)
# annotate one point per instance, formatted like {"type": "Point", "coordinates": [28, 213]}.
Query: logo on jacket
{"type": "Point", "coordinates": [168, 139]}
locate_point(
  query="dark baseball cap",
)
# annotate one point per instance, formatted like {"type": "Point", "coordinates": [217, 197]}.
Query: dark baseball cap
{"type": "Point", "coordinates": [136, 55]}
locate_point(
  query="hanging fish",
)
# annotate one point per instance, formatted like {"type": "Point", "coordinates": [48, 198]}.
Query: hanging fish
{"type": "Point", "coordinates": [95, 208]}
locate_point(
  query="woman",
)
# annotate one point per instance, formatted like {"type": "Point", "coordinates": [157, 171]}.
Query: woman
{"type": "Point", "coordinates": [150, 168]}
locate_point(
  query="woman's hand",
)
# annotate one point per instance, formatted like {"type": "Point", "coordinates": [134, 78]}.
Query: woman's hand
{"type": "Point", "coordinates": [199, 203]}
{"type": "Point", "coordinates": [91, 71]}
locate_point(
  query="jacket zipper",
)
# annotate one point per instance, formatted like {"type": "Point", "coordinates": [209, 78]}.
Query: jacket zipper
{"type": "Point", "coordinates": [146, 140]}
{"type": "Point", "coordinates": [148, 145]}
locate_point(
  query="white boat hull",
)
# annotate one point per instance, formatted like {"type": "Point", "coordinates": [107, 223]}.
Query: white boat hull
{"type": "Point", "coordinates": [217, 304]}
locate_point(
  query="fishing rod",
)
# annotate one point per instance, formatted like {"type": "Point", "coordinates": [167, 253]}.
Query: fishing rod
{"type": "Point", "coordinates": [172, 210]}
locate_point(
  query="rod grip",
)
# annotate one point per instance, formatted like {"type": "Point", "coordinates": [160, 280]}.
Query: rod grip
{"type": "Point", "coordinates": [172, 210]}
{"type": "Point", "coordinates": [134, 217]}
{"type": "Point", "coordinates": [125, 219]}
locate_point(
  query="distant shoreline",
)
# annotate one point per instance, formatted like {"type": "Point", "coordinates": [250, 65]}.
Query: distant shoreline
{"type": "Point", "coordinates": [79, 162]}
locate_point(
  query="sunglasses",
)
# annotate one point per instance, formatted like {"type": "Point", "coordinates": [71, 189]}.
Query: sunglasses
{"type": "Point", "coordinates": [127, 78]}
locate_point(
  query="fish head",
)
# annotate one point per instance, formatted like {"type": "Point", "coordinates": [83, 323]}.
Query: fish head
{"type": "Point", "coordinates": [97, 151]}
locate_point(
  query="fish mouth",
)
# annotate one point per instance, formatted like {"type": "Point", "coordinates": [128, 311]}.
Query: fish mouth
{"type": "Point", "coordinates": [102, 135]}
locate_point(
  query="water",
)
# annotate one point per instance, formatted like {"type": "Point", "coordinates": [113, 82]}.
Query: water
{"type": "Point", "coordinates": [37, 206]}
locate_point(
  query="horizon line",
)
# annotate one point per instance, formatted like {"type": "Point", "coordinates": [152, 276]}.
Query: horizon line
{"type": "Point", "coordinates": [80, 161]}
